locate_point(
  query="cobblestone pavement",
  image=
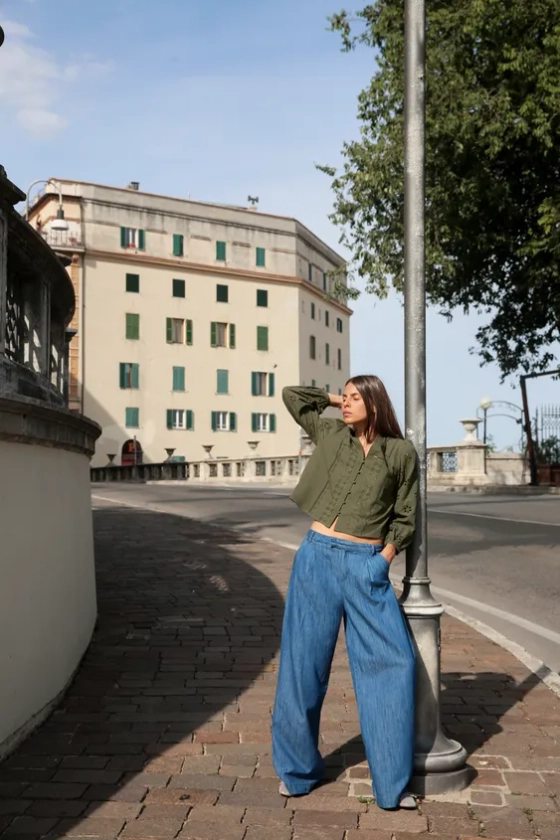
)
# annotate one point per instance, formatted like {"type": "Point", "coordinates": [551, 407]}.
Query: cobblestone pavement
{"type": "Point", "coordinates": [165, 731]}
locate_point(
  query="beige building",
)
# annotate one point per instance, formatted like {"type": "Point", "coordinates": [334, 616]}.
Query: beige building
{"type": "Point", "coordinates": [191, 317]}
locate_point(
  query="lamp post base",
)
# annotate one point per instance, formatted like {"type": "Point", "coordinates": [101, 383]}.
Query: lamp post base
{"type": "Point", "coordinates": [434, 783]}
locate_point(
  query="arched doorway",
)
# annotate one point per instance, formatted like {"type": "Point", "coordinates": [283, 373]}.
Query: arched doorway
{"type": "Point", "coordinates": [131, 453]}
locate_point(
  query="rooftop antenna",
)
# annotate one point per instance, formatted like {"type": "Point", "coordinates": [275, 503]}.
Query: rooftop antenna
{"type": "Point", "coordinates": [253, 199]}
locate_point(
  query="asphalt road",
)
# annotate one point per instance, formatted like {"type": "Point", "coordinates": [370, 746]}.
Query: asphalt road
{"type": "Point", "coordinates": [496, 559]}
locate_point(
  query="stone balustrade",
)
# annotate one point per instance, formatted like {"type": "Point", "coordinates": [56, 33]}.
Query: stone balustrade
{"type": "Point", "coordinates": [47, 596]}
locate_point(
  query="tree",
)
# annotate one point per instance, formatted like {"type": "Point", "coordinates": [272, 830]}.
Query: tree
{"type": "Point", "coordinates": [548, 451]}
{"type": "Point", "coordinates": [492, 168]}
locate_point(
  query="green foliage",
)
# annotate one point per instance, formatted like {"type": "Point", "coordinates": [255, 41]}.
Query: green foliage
{"type": "Point", "coordinates": [548, 451]}
{"type": "Point", "coordinates": [492, 167]}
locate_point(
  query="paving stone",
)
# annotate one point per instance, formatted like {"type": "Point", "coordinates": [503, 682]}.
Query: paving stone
{"type": "Point", "coordinates": [92, 827]}
{"type": "Point", "coordinates": [17, 806]}
{"type": "Point", "coordinates": [120, 793]}
{"type": "Point", "coordinates": [209, 813]}
{"type": "Point", "coordinates": [267, 816]}
{"type": "Point", "coordinates": [523, 782]}
{"type": "Point", "coordinates": [346, 819]}
{"type": "Point", "coordinates": [162, 827]}
{"type": "Point", "coordinates": [58, 790]}
{"type": "Point", "coordinates": [161, 796]}
{"type": "Point", "coordinates": [195, 765]}
{"type": "Point", "coordinates": [32, 825]}
{"type": "Point", "coordinates": [370, 834]}
{"type": "Point", "coordinates": [212, 831]}
{"type": "Point", "coordinates": [255, 833]}
{"type": "Point", "coordinates": [318, 833]}
{"type": "Point", "coordinates": [200, 782]}
{"type": "Point", "coordinates": [410, 821]}
{"type": "Point", "coordinates": [124, 810]}
{"type": "Point", "coordinates": [178, 811]}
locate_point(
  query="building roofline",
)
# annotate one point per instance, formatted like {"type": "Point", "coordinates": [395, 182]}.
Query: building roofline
{"type": "Point", "coordinates": [236, 208]}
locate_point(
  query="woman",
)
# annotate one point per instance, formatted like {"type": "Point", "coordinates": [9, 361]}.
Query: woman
{"type": "Point", "coordinates": [360, 489]}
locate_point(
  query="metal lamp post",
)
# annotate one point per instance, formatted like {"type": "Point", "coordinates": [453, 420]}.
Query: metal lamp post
{"type": "Point", "coordinates": [485, 404]}
{"type": "Point", "coordinates": [60, 222]}
{"type": "Point", "coordinates": [440, 763]}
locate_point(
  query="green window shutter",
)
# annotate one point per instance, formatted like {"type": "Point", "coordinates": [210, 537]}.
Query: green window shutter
{"type": "Point", "coordinates": [260, 257]}
{"type": "Point", "coordinates": [169, 418]}
{"type": "Point", "coordinates": [310, 273]}
{"type": "Point", "coordinates": [132, 325]}
{"type": "Point", "coordinates": [177, 245]}
{"type": "Point", "coordinates": [221, 251]}
{"type": "Point", "coordinates": [272, 422]}
{"type": "Point", "coordinates": [262, 338]}
{"type": "Point", "coordinates": [254, 423]}
{"type": "Point", "coordinates": [222, 293]}
{"type": "Point", "coordinates": [122, 375]}
{"type": "Point", "coordinates": [190, 420]}
{"type": "Point", "coordinates": [179, 288]}
{"type": "Point", "coordinates": [312, 352]}
{"type": "Point", "coordinates": [123, 237]}
{"type": "Point", "coordinates": [169, 330]}
{"type": "Point", "coordinates": [324, 281]}
{"type": "Point", "coordinates": [222, 381]}
{"type": "Point", "coordinates": [132, 417]}
{"type": "Point", "coordinates": [254, 388]}
{"type": "Point", "coordinates": [189, 332]}
{"type": "Point", "coordinates": [214, 420]}
{"type": "Point", "coordinates": [132, 283]}
{"type": "Point", "coordinates": [135, 376]}
{"type": "Point", "coordinates": [232, 336]}
{"type": "Point", "coordinates": [232, 421]}
{"type": "Point", "coordinates": [178, 378]}
{"type": "Point", "coordinates": [327, 354]}
{"type": "Point", "coordinates": [213, 336]}
{"type": "Point", "coordinates": [141, 240]}
{"type": "Point", "coordinates": [262, 297]}
{"type": "Point", "coordinates": [270, 384]}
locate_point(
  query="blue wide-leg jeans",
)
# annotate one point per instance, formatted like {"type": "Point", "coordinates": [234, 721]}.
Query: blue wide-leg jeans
{"type": "Point", "coordinates": [332, 580]}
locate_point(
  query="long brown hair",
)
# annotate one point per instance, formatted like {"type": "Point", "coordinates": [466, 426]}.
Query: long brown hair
{"type": "Point", "coordinates": [381, 417]}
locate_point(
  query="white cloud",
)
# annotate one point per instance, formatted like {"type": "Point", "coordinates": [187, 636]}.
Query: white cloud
{"type": "Point", "coordinates": [33, 81]}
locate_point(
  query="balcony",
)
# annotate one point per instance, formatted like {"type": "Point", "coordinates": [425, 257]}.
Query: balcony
{"type": "Point", "coordinates": [64, 240]}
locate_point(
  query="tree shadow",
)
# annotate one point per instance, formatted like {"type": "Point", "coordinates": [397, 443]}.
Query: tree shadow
{"type": "Point", "coordinates": [185, 626]}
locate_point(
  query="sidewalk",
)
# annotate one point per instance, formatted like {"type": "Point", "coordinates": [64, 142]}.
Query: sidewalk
{"type": "Point", "coordinates": [165, 731]}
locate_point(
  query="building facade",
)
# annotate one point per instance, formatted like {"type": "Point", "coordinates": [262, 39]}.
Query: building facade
{"type": "Point", "coordinates": [190, 319]}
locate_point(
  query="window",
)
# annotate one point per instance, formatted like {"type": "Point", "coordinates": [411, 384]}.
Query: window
{"type": "Point", "coordinates": [327, 354]}
{"type": "Point", "coordinates": [310, 272]}
{"type": "Point", "coordinates": [324, 281]}
{"type": "Point", "coordinates": [263, 422]}
{"type": "Point", "coordinates": [262, 297]}
{"type": "Point", "coordinates": [132, 418]}
{"type": "Point", "coordinates": [179, 418]}
{"type": "Point", "coordinates": [339, 359]}
{"type": "Point", "coordinates": [175, 328]}
{"type": "Point", "coordinates": [188, 331]}
{"type": "Point", "coordinates": [339, 325]}
{"type": "Point", "coordinates": [133, 238]}
{"type": "Point", "coordinates": [129, 375]}
{"type": "Point", "coordinates": [221, 251]}
{"type": "Point", "coordinates": [313, 311]}
{"type": "Point", "coordinates": [313, 383]}
{"type": "Point", "coordinates": [179, 288]}
{"type": "Point", "coordinates": [132, 282]}
{"type": "Point", "coordinates": [223, 421]}
{"type": "Point", "coordinates": [262, 384]}
{"type": "Point", "coordinates": [327, 318]}
{"type": "Point", "coordinates": [222, 293]}
{"type": "Point", "coordinates": [132, 326]}
{"type": "Point", "coordinates": [178, 245]}
{"type": "Point", "coordinates": [178, 378]}
{"type": "Point", "coordinates": [222, 382]}
{"type": "Point", "coordinates": [312, 347]}
{"type": "Point", "coordinates": [327, 389]}
{"type": "Point", "coordinates": [220, 333]}
{"type": "Point", "coordinates": [340, 392]}
{"type": "Point", "coordinates": [262, 338]}
{"type": "Point", "coordinates": [261, 257]}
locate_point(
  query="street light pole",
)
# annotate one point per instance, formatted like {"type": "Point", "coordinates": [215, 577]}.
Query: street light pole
{"type": "Point", "coordinates": [439, 763]}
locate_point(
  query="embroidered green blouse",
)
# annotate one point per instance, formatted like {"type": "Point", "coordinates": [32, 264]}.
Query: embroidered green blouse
{"type": "Point", "coordinates": [373, 496]}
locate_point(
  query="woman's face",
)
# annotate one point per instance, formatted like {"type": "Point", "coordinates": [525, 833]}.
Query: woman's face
{"type": "Point", "coordinates": [353, 406]}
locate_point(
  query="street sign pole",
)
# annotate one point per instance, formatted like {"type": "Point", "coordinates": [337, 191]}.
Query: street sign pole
{"type": "Point", "coordinates": [440, 763]}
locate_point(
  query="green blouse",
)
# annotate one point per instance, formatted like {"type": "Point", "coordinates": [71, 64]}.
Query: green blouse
{"type": "Point", "coordinates": [373, 496]}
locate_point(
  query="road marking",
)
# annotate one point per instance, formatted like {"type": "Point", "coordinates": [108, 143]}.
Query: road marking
{"type": "Point", "coordinates": [489, 516]}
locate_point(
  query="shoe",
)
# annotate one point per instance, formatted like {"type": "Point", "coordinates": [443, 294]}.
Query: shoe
{"type": "Point", "coordinates": [408, 802]}
{"type": "Point", "coordinates": [283, 791]}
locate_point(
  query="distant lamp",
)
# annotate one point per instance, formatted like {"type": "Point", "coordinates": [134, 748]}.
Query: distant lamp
{"type": "Point", "coordinates": [58, 223]}
{"type": "Point", "coordinates": [485, 403]}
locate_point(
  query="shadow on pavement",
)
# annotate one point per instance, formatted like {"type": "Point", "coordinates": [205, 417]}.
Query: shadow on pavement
{"type": "Point", "coordinates": [186, 624]}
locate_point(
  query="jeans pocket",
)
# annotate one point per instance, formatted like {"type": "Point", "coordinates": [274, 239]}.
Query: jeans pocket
{"type": "Point", "coordinates": [378, 569]}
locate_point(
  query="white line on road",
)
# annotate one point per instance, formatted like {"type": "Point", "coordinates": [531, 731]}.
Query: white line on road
{"type": "Point", "coordinates": [489, 516]}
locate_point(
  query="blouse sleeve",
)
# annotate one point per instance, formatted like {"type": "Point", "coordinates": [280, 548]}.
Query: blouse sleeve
{"type": "Point", "coordinates": [306, 406]}
{"type": "Point", "coordinates": [403, 522]}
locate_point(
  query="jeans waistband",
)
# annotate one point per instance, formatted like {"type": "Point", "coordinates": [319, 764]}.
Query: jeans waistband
{"type": "Point", "coordinates": [340, 543]}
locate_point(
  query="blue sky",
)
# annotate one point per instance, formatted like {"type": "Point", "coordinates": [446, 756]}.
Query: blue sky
{"type": "Point", "coordinates": [219, 99]}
